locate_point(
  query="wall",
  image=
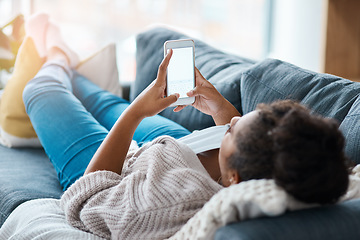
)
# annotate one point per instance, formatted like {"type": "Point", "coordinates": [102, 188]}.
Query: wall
{"type": "Point", "coordinates": [297, 32]}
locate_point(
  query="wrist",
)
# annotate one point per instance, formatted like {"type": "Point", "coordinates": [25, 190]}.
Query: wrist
{"type": "Point", "coordinates": [133, 113]}
{"type": "Point", "coordinates": [225, 113]}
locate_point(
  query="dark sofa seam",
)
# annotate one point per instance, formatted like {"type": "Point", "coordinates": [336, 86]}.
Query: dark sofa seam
{"type": "Point", "coordinates": [320, 75]}
{"type": "Point", "coordinates": [352, 115]}
{"type": "Point", "coordinates": [263, 83]}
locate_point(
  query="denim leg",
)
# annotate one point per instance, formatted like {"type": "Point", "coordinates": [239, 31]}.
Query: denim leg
{"type": "Point", "coordinates": [68, 132]}
{"type": "Point", "coordinates": [106, 108]}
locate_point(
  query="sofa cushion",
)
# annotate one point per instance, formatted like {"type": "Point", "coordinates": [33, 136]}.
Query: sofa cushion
{"type": "Point", "coordinates": [273, 79]}
{"type": "Point", "coordinates": [25, 174]}
{"type": "Point", "coordinates": [350, 127]}
{"type": "Point", "coordinates": [329, 222]}
{"type": "Point", "coordinates": [221, 69]}
{"type": "Point", "coordinates": [101, 69]}
{"type": "Point", "coordinates": [326, 94]}
{"type": "Point", "coordinates": [15, 126]}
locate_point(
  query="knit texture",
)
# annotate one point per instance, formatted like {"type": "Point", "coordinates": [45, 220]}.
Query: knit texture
{"type": "Point", "coordinates": [162, 185]}
{"type": "Point", "coordinates": [43, 218]}
{"type": "Point", "coordinates": [248, 200]}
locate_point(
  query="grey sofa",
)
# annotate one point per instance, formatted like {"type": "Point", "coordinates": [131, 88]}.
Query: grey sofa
{"type": "Point", "coordinates": [28, 174]}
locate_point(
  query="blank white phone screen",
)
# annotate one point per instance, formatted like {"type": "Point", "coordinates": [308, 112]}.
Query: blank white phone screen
{"type": "Point", "coordinates": [180, 72]}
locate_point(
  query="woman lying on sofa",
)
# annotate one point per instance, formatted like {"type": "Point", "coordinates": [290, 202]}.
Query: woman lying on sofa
{"type": "Point", "coordinates": [126, 175]}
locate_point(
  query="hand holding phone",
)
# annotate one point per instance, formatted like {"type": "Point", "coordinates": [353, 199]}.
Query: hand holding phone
{"type": "Point", "coordinates": [208, 100]}
{"type": "Point", "coordinates": [151, 100]}
{"type": "Point", "coordinates": [181, 70]}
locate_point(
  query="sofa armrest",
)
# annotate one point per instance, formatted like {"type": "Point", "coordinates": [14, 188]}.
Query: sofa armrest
{"type": "Point", "coordinates": [341, 221]}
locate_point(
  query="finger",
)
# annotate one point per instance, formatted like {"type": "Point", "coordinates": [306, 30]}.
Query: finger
{"type": "Point", "coordinates": [163, 67]}
{"type": "Point", "coordinates": [191, 93]}
{"type": "Point", "coordinates": [179, 108]}
{"type": "Point", "coordinates": [199, 77]}
{"type": "Point", "coordinates": [197, 91]}
{"type": "Point", "coordinates": [197, 71]}
{"type": "Point", "coordinates": [169, 100]}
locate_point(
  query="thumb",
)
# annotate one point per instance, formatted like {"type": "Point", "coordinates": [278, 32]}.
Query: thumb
{"type": "Point", "coordinates": [199, 77]}
{"type": "Point", "coordinates": [169, 100]}
{"type": "Point", "coordinates": [195, 92]}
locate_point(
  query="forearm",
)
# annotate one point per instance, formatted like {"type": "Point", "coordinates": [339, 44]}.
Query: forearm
{"type": "Point", "coordinates": [112, 152]}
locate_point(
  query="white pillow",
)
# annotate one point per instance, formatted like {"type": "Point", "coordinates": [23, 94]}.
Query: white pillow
{"type": "Point", "coordinates": [101, 69]}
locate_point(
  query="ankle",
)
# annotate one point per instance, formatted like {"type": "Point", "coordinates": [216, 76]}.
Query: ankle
{"type": "Point", "coordinates": [55, 43]}
{"type": "Point", "coordinates": [56, 53]}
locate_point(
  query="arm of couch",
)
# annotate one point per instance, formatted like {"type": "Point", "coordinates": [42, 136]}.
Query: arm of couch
{"type": "Point", "coordinates": [341, 221]}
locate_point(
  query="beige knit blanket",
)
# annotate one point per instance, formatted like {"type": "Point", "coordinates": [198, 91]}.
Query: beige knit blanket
{"type": "Point", "coordinates": [247, 200]}
{"type": "Point", "coordinates": [42, 218]}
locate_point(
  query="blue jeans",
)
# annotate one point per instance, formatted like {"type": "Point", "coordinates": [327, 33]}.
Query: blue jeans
{"type": "Point", "coordinates": [72, 116]}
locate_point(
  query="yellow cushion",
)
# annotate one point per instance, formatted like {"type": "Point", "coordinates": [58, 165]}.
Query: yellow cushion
{"type": "Point", "coordinates": [16, 128]}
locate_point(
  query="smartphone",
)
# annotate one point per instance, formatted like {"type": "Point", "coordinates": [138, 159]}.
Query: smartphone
{"type": "Point", "coordinates": [180, 77]}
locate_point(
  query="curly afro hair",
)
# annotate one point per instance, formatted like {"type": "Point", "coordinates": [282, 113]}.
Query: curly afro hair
{"type": "Point", "coordinates": [302, 152]}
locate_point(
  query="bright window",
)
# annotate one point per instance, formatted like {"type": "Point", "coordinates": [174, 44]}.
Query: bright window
{"type": "Point", "coordinates": [236, 26]}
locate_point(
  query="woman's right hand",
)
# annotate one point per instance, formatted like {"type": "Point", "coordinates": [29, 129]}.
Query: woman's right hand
{"type": "Point", "coordinates": [209, 101]}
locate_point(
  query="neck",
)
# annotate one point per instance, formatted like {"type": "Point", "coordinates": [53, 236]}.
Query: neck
{"type": "Point", "coordinates": [209, 160]}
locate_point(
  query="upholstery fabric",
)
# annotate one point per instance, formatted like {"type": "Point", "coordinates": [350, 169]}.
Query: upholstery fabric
{"type": "Point", "coordinates": [325, 94]}
{"type": "Point", "coordinates": [273, 79]}
{"type": "Point", "coordinates": [25, 174]}
{"type": "Point", "coordinates": [331, 222]}
{"type": "Point", "coordinates": [350, 127]}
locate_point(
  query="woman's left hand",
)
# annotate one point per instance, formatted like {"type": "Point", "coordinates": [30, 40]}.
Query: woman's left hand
{"type": "Point", "coordinates": [153, 99]}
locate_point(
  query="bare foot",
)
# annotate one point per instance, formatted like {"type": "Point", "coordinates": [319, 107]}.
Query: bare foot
{"type": "Point", "coordinates": [55, 43]}
{"type": "Point", "coordinates": [36, 27]}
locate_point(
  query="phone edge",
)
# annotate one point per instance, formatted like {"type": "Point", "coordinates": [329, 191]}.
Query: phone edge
{"type": "Point", "coordinates": [188, 100]}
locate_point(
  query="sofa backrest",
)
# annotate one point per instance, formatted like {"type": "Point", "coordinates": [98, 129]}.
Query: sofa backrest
{"type": "Point", "coordinates": [246, 83]}
{"type": "Point", "coordinates": [350, 127]}
{"type": "Point", "coordinates": [327, 95]}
